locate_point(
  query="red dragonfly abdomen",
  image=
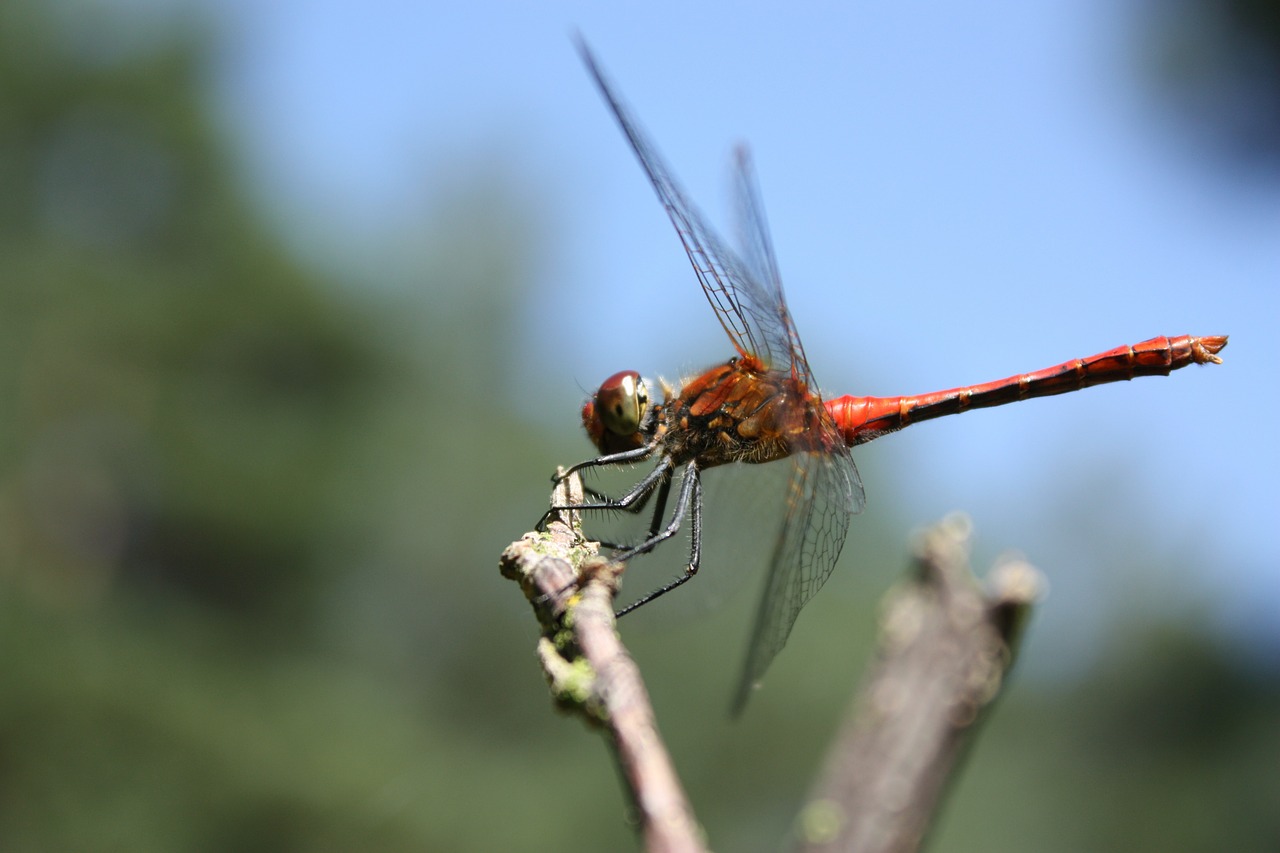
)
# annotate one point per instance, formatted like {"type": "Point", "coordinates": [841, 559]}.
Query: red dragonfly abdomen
{"type": "Point", "coordinates": [861, 419]}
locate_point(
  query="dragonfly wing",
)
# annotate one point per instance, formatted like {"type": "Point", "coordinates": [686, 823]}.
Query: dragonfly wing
{"type": "Point", "coordinates": [745, 307]}
{"type": "Point", "coordinates": [825, 489]}
{"type": "Point", "coordinates": [824, 492]}
{"type": "Point", "coordinates": [746, 293]}
{"type": "Point", "coordinates": [761, 296]}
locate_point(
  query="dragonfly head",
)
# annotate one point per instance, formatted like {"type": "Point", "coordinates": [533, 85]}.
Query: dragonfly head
{"type": "Point", "coordinates": [614, 417]}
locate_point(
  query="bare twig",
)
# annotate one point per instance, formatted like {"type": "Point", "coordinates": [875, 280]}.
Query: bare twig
{"type": "Point", "coordinates": [946, 644]}
{"type": "Point", "coordinates": [590, 672]}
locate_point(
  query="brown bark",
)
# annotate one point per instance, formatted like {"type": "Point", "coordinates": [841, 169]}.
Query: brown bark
{"type": "Point", "coordinates": [591, 673]}
{"type": "Point", "coordinates": [946, 643]}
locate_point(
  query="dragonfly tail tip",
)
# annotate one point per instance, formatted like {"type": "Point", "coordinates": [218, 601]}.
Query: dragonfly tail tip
{"type": "Point", "coordinates": [1205, 350]}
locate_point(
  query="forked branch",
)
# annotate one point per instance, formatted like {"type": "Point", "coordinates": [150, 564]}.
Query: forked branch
{"type": "Point", "coordinates": [946, 643]}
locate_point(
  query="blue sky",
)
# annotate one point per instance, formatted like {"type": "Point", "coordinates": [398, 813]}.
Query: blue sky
{"type": "Point", "coordinates": [955, 196]}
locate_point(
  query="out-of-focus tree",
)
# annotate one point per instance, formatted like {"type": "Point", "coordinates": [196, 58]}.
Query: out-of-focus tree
{"type": "Point", "coordinates": [1218, 63]}
{"type": "Point", "coordinates": [191, 430]}
{"type": "Point", "coordinates": [176, 386]}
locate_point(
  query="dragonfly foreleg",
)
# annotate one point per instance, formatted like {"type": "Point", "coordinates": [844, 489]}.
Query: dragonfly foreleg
{"type": "Point", "coordinates": [633, 501]}
{"type": "Point", "coordinates": [663, 491]}
{"type": "Point", "coordinates": [635, 455]}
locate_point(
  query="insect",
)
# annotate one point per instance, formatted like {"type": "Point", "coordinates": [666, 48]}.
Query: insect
{"type": "Point", "coordinates": [763, 406]}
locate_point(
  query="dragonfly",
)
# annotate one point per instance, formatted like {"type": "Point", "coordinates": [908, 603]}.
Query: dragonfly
{"type": "Point", "coordinates": [762, 406]}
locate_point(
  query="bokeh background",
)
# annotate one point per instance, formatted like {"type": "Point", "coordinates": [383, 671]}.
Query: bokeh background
{"type": "Point", "coordinates": [298, 301]}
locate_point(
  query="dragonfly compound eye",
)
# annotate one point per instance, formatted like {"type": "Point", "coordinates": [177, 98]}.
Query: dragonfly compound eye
{"type": "Point", "coordinates": [621, 402]}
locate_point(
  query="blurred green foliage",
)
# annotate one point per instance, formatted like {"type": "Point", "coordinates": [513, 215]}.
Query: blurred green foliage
{"type": "Point", "coordinates": [248, 590]}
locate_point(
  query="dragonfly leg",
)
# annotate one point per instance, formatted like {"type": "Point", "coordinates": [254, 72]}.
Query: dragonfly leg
{"type": "Point", "coordinates": [632, 501]}
{"type": "Point", "coordinates": [690, 503]}
{"type": "Point", "coordinates": [635, 455]}
{"type": "Point", "coordinates": [662, 492]}
{"type": "Point", "coordinates": [658, 479]}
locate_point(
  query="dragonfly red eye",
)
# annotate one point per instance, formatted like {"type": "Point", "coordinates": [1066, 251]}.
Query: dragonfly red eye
{"type": "Point", "coordinates": [621, 402]}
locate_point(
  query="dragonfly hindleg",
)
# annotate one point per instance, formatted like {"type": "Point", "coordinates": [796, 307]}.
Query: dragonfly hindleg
{"type": "Point", "coordinates": [689, 503]}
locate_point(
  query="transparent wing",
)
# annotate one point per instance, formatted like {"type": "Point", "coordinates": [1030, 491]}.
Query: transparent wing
{"type": "Point", "coordinates": [745, 291]}
{"type": "Point", "coordinates": [823, 493]}
{"type": "Point", "coordinates": [747, 300]}
{"type": "Point", "coordinates": [825, 489]}
{"type": "Point", "coordinates": [762, 263]}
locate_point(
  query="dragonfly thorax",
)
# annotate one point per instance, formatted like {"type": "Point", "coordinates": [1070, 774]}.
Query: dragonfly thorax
{"type": "Point", "coordinates": [739, 411]}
